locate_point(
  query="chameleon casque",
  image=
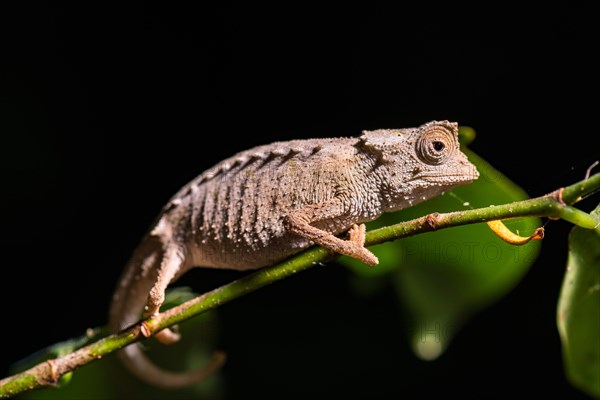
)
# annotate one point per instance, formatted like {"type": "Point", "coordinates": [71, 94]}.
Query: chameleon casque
{"type": "Point", "coordinates": [270, 202]}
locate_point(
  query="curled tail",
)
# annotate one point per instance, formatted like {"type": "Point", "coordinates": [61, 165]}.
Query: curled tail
{"type": "Point", "coordinates": [141, 366]}
{"type": "Point", "coordinates": [141, 275]}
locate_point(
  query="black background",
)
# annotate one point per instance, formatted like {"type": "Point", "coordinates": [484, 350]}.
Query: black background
{"type": "Point", "coordinates": [106, 111]}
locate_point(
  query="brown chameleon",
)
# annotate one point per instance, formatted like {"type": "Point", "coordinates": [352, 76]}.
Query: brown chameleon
{"type": "Point", "coordinates": [270, 202]}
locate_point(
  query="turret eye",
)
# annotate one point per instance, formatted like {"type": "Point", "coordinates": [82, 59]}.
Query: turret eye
{"type": "Point", "coordinates": [435, 145]}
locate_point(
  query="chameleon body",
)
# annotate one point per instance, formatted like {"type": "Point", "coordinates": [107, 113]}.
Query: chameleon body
{"type": "Point", "coordinates": [270, 202]}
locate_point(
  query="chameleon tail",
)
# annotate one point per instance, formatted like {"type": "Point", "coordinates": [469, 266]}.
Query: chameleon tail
{"type": "Point", "coordinates": [142, 367]}
{"type": "Point", "coordinates": [129, 300]}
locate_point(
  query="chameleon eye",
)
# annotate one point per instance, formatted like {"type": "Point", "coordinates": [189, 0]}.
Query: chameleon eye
{"type": "Point", "coordinates": [435, 145]}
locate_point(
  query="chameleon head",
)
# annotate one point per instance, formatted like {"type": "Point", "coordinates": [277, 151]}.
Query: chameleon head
{"type": "Point", "coordinates": [418, 163]}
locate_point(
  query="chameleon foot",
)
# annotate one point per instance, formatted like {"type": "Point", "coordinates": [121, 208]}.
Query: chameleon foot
{"type": "Point", "coordinates": [357, 237]}
{"type": "Point", "coordinates": [357, 234]}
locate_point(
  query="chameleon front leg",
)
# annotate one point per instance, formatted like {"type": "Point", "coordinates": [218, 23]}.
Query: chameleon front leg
{"type": "Point", "coordinates": [299, 222]}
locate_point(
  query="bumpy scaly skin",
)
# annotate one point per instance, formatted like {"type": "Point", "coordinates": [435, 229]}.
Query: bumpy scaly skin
{"type": "Point", "coordinates": [267, 203]}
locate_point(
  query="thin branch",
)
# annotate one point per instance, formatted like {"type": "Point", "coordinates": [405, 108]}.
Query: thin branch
{"type": "Point", "coordinates": [553, 205]}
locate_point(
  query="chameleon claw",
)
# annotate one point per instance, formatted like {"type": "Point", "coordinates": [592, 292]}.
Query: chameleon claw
{"type": "Point", "coordinates": [369, 258]}
{"type": "Point", "coordinates": [357, 234]}
{"type": "Point", "coordinates": [145, 331]}
{"type": "Point", "coordinates": [357, 237]}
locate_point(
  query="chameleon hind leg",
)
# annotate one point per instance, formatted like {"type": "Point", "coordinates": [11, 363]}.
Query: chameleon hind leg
{"type": "Point", "coordinates": [171, 265]}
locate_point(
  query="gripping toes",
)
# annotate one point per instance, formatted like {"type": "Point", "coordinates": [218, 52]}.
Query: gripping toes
{"type": "Point", "coordinates": [357, 237]}
{"type": "Point", "coordinates": [357, 234]}
{"type": "Point", "coordinates": [367, 257]}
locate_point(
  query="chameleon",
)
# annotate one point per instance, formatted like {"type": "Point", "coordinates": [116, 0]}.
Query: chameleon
{"type": "Point", "coordinates": [265, 204]}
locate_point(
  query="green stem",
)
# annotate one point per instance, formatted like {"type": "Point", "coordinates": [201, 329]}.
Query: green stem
{"type": "Point", "coordinates": [552, 205]}
{"type": "Point", "coordinates": [572, 194]}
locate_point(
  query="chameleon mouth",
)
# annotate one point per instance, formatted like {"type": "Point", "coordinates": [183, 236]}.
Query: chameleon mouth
{"type": "Point", "coordinates": [446, 178]}
{"type": "Point", "coordinates": [462, 171]}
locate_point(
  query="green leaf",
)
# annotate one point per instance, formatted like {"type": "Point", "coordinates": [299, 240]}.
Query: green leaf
{"type": "Point", "coordinates": [578, 313]}
{"type": "Point", "coordinates": [442, 278]}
